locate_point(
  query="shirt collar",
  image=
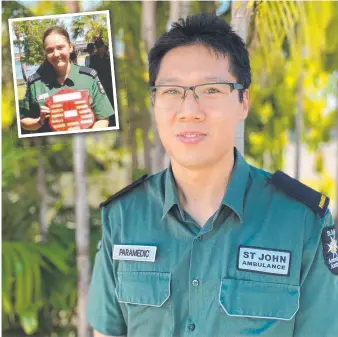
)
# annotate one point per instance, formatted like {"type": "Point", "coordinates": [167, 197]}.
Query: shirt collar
{"type": "Point", "coordinates": [73, 72]}
{"type": "Point", "coordinates": [235, 191]}
{"type": "Point", "coordinates": [233, 197]}
{"type": "Point", "coordinates": [50, 75]}
{"type": "Point", "coordinates": [171, 196]}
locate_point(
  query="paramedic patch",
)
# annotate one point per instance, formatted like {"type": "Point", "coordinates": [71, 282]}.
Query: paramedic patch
{"type": "Point", "coordinates": [330, 249]}
{"type": "Point", "coordinates": [134, 253]}
{"type": "Point", "coordinates": [263, 260]}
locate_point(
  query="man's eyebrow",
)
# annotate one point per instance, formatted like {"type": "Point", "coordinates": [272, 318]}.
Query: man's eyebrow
{"type": "Point", "coordinates": [168, 80]}
{"type": "Point", "coordinates": [215, 79]}
{"type": "Point", "coordinates": [175, 80]}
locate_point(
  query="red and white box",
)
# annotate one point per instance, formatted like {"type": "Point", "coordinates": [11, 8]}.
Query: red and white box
{"type": "Point", "coordinates": [70, 110]}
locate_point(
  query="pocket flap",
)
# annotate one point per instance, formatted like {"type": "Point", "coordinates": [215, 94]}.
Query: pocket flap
{"type": "Point", "coordinates": [259, 299]}
{"type": "Point", "coordinates": [143, 288]}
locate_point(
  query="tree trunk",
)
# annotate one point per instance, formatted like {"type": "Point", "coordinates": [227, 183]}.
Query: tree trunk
{"type": "Point", "coordinates": [41, 186]}
{"type": "Point", "coordinates": [82, 222]}
{"type": "Point", "coordinates": [17, 35]}
{"type": "Point", "coordinates": [146, 145]}
{"type": "Point", "coordinates": [82, 232]}
{"type": "Point", "coordinates": [178, 10]}
{"type": "Point", "coordinates": [148, 31]}
{"type": "Point", "coordinates": [240, 21]}
{"type": "Point", "coordinates": [185, 9]}
{"type": "Point", "coordinates": [174, 13]}
{"type": "Point", "coordinates": [133, 147]}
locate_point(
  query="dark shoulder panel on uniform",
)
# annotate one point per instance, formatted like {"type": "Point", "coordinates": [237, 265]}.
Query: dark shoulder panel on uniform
{"type": "Point", "coordinates": [124, 190]}
{"type": "Point", "coordinates": [317, 201]}
{"type": "Point", "coordinates": [33, 78]}
{"type": "Point", "coordinates": [88, 71]}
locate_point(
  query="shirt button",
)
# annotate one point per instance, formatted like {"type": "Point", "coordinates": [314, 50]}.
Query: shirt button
{"type": "Point", "coordinates": [195, 283]}
{"type": "Point", "coordinates": [191, 327]}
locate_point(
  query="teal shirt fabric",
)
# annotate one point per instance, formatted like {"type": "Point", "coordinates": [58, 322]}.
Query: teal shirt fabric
{"type": "Point", "coordinates": [194, 287]}
{"type": "Point", "coordinates": [39, 90]}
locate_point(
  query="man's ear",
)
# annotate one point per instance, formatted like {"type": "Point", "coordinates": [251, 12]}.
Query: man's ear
{"type": "Point", "coordinates": [245, 104]}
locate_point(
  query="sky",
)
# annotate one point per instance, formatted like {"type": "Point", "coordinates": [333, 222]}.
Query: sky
{"type": "Point", "coordinates": [67, 21]}
{"type": "Point", "coordinates": [86, 5]}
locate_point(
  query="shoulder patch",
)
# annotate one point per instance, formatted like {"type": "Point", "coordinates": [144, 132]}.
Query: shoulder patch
{"type": "Point", "coordinates": [317, 201]}
{"type": "Point", "coordinates": [88, 71]}
{"type": "Point", "coordinates": [330, 249]}
{"type": "Point", "coordinates": [33, 78]}
{"type": "Point", "coordinates": [124, 190]}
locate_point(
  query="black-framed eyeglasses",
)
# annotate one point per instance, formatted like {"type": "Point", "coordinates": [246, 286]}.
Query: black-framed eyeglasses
{"type": "Point", "coordinates": [168, 96]}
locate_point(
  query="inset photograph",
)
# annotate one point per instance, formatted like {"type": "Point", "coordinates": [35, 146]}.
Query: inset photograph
{"type": "Point", "coordinates": [63, 74]}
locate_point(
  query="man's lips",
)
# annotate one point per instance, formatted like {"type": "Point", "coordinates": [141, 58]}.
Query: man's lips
{"type": "Point", "coordinates": [191, 137]}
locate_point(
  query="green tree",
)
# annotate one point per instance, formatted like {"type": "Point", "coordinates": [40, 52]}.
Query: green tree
{"type": "Point", "coordinates": [18, 33]}
{"type": "Point", "coordinates": [90, 27]}
{"type": "Point", "coordinates": [241, 12]}
{"type": "Point", "coordinates": [10, 9]}
{"type": "Point", "coordinates": [284, 40]}
{"type": "Point", "coordinates": [30, 38]}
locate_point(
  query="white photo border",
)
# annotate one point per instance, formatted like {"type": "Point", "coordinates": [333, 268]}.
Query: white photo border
{"type": "Point", "coordinates": [112, 69]}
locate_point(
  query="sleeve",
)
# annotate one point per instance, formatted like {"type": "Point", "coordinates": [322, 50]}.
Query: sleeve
{"type": "Point", "coordinates": [100, 102]}
{"type": "Point", "coordinates": [317, 314]}
{"type": "Point", "coordinates": [103, 309]}
{"type": "Point", "coordinates": [25, 104]}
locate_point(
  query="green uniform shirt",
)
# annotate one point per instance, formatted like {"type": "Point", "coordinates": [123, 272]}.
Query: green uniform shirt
{"type": "Point", "coordinates": [43, 84]}
{"type": "Point", "coordinates": [256, 268]}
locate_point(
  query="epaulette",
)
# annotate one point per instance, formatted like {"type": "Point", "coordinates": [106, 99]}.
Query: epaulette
{"type": "Point", "coordinates": [33, 78]}
{"type": "Point", "coordinates": [88, 71]}
{"type": "Point", "coordinates": [315, 200]}
{"type": "Point", "coordinates": [124, 190]}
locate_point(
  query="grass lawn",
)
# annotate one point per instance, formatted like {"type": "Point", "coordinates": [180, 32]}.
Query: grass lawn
{"type": "Point", "coordinates": [21, 91]}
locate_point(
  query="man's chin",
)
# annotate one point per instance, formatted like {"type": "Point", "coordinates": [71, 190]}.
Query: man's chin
{"type": "Point", "coordinates": [193, 163]}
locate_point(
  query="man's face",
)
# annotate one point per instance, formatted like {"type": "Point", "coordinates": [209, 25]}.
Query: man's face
{"type": "Point", "coordinates": [57, 50]}
{"type": "Point", "coordinates": [197, 135]}
{"type": "Point", "coordinates": [101, 50]}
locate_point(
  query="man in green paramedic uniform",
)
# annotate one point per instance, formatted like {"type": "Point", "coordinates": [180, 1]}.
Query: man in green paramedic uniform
{"type": "Point", "coordinates": [212, 247]}
{"type": "Point", "coordinates": [43, 84]}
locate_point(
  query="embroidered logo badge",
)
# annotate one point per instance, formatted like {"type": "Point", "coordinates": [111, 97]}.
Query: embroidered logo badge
{"type": "Point", "coordinates": [100, 86]}
{"type": "Point", "coordinates": [134, 253]}
{"type": "Point", "coordinates": [42, 96]}
{"type": "Point", "coordinates": [263, 260]}
{"type": "Point", "coordinates": [330, 249]}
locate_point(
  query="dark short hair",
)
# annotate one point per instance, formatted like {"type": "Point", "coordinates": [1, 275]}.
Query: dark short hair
{"type": "Point", "coordinates": [56, 30]}
{"type": "Point", "coordinates": [90, 47]}
{"type": "Point", "coordinates": [99, 43]}
{"type": "Point", "coordinates": [210, 31]}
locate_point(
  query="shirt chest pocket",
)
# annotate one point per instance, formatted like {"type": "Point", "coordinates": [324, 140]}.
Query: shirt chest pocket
{"type": "Point", "coordinates": [143, 288]}
{"type": "Point", "coordinates": [144, 297]}
{"type": "Point", "coordinates": [252, 299]}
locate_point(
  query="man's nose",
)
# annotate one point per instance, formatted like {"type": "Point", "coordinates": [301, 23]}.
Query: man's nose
{"type": "Point", "coordinates": [190, 107]}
